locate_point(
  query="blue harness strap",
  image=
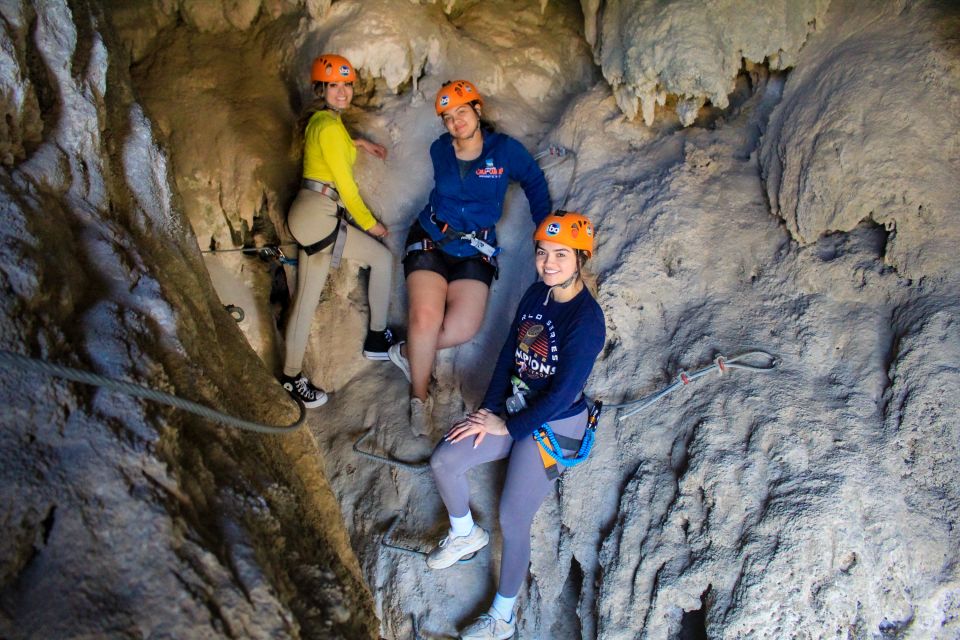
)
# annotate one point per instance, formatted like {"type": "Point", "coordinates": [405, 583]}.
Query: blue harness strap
{"type": "Point", "coordinates": [553, 450]}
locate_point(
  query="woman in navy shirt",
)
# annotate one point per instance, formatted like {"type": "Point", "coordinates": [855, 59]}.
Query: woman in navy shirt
{"type": "Point", "coordinates": [450, 256]}
{"type": "Point", "coordinates": [538, 380]}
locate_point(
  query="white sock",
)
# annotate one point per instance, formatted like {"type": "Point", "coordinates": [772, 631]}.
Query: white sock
{"type": "Point", "coordinates": [502, 607]}
{"type": "Point", "coordinates": [461, 526]}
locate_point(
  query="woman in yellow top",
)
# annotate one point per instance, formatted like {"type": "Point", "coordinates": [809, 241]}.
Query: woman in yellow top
{"type": "Point", "coordinates": [328, 186]}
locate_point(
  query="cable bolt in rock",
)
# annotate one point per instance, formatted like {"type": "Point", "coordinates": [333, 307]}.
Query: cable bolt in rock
{"type": "Point", "coordinates": [13, 360]}
{"type": "Point", "coordinates": [560, 155]}
{"type": "Point", "coordinates": [235, 312]}
{"type": "Point", "coordinates": [721, 365]}
{"type": "Point", "coordinates": [393, 462]}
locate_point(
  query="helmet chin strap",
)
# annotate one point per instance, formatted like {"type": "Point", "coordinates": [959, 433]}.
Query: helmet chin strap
{"type": "Point", "coordinates": [326, 103]}
{"type": "Point", "coordinates": [563, 285]}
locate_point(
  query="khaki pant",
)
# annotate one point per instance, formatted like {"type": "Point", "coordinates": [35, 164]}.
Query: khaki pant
{"type": "Point", "coordinates": [312, 217]}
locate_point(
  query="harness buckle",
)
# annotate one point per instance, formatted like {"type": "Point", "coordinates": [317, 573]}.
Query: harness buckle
{"type": "Point", "coordinates": [485, 248]}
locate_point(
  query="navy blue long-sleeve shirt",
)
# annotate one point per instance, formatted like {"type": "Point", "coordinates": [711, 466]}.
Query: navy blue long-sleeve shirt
{"type": "Point", "coordinates": [475, 201]}
{"type": "Point", "coordinates": [551, 348]}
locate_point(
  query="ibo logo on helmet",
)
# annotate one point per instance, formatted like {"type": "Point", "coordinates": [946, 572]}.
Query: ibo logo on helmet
{"type": "Point", "coordinates": [444, 100]}
{"type": "Point", "coordinates": [553, 229]}
{"type": "Point", "coordinates": [344, 70]}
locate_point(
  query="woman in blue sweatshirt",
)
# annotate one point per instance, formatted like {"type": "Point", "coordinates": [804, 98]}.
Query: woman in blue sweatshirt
{"type": "Point", "coordinates": [539, 377]}
{"type": "Point", "coordinates": [450, 256]}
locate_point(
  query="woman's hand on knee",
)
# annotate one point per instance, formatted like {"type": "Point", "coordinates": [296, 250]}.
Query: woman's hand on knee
{"type": "Point", "coordinates": [480, 423]}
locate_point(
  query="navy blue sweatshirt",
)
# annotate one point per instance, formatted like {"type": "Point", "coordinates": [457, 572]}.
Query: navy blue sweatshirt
{"type": "Point", "coordinates": [551, 348]}
{"type": "Point", "coordinates": [475, 201]}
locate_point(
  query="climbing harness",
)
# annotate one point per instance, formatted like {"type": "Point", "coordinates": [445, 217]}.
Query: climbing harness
{"type": "Point", "coordinates": [559, 155]}
{"type": "Point", "coordinates": [322, 188]}
{"type": "Point", "coordinates": [476, 239]}
{"type": "Point", "coordinates": [13, 360]}
{"type": "Point", "coordinates": [550, 444]}
{"type": "Point", "coordinates": [337, 237]}
{"type": "Point", "coordinates": [720, 364]}
{"type": "Point", "coordinates": [399, 464]}
{"type": "Point", "coordinates": [387, 541]}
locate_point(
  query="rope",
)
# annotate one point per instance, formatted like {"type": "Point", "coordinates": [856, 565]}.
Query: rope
{"type": "Point", "coordinates": [561, 154]}
{"type": "Point", "coordinates": [557, 453]}
{"type": "Point", "coordinates": [400, 464]}
{"type": "Point", "coordinates": [720, 364]}
{"type": "Point", "coordinates": [16, 361]}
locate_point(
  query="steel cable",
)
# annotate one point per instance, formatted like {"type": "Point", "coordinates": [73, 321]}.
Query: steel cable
{"type": "Point", "coordinates": [10, 359]}
{"type": "Point", "coordinates": [720, 364]}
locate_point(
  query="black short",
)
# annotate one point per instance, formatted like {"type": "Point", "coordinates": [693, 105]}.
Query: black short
{"type": "Point", "coordinates": [438, 261]}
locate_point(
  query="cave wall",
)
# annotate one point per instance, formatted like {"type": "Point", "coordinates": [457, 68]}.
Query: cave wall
{"type": "Point", "coordinates": [817, 502]}
{"type": "Point", "coordinates": [858, 140]}
{"type": "Point", "coordinates": [692, 51]}
{"type": "Point", "coordinates": [122, 518]}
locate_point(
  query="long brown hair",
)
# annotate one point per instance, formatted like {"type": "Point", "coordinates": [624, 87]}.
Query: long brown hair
{"type": "Point", "coordinates": [318, 103]}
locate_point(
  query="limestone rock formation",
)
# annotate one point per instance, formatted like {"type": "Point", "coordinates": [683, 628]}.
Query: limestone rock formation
{"type": "Point", "coordinates": [690, 50]}
{"type": "Point", "coordinates": [122, 518]}
{"type": "Point", "coordinates": [806, 212]}
{"type": "Point", "coordinates": [856, 139]}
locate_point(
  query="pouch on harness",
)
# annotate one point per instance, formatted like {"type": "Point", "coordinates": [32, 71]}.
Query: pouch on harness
{"type": "Point", "coordinates": [337, 237]}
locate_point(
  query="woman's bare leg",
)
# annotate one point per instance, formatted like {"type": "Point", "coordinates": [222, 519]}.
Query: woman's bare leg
{"type": "Point", "coordinates": [427, 299]}
{"type": "Point", "coordinates": [441, 315]}
{"type": "Point", "coordinates": [466, 303]}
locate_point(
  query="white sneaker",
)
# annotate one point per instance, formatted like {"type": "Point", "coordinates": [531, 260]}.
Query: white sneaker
{"type": "Point", "coordinates": [397, 358]}
{"type": "Point", "coordinates": [488, 627]}
{"type": "Point", "coordinates": [420, 414]}
{"type": "Point", "coordinates": [453, 548]}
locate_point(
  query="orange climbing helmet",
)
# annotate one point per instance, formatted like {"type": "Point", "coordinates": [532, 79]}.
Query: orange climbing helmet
{"type": "Point", "coordinates": [568, 228]}
{"type": "Point", "coordinates": [453, 94]}
{"type": "Point", "coordinates": [332, 68]}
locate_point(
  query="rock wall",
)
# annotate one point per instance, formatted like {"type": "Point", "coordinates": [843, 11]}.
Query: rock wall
{"type": "Point", "coordinates": [814, 501]}
{"type": "Point", "coordinates": [856, 139]}
{"type": "Point", "coordinates": [692, 51]}
{"type": "Point", "coordinates": [122, 518]}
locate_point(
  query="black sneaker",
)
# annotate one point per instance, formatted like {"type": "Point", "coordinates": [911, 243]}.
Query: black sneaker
{"type": "Point", "coordinates": [377, 344]}
{"type": "Point", "coordinates": [301, 388]}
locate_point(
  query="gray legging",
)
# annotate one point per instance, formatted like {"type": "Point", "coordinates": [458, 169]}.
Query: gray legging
{"type": "Point", "coordinates": [524, 491]}
{"type": "Point", "coordinates": [313, 215]}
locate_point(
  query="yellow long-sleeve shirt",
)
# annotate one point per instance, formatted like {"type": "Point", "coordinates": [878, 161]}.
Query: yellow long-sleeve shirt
{"type": "Point", "coordinates": [328, 156]}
